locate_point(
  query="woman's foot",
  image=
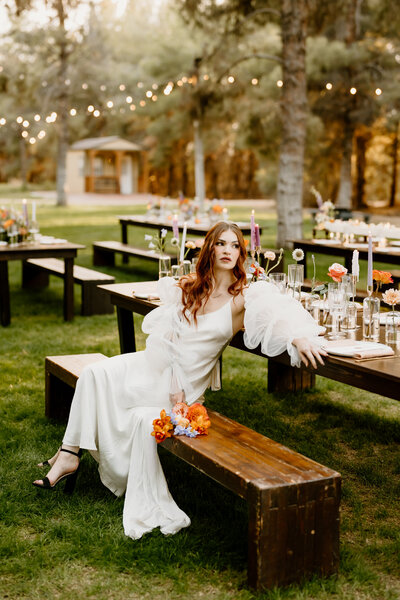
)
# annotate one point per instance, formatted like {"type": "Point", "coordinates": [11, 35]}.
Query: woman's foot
{"type": "Point", "coordinates": [50, 462]}
{"type": "Point", "coordinates": [65, 464]}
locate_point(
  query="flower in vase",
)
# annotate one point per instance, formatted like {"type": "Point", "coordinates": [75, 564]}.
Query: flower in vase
{"type": "Point", "coordinates": [381, 277]}
{"type": "Point", "coordinates": [269, 255]}
{"type": "Point", "coordinates": [391, 297]}
{"type": "Point", "coordinates": [190, 244]}
{"type": "Point", "coordinates": [336, 271]}
{"type": "Point", "coordinates": [297, 254]}
{"type": "Point", "coordinates": [174, 241]}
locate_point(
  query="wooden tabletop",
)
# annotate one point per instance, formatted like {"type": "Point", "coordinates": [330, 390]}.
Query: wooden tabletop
{"type": "Point", "coordinates": [380, 376]}
{"type": "Point", "coordinates": [35, 250]}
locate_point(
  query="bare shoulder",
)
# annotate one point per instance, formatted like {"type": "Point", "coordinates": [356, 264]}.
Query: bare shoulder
{"type": "Point", "coordinates": [238, 303]}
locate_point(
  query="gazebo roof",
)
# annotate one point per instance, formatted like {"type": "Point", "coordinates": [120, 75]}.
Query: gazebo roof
{"type": "Point", "coordinates": [111, 142]}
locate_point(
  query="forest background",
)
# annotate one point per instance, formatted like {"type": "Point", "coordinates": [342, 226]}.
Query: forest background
{"type": "Point", "coordinates": [270, 95]}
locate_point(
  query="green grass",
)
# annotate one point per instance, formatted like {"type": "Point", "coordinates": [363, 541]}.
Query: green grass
{"type": "Point", "coordinates": [53, 546]}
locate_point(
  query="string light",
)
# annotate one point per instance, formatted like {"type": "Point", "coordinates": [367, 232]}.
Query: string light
{"type": "Point", "coordinates": [279, 83]}
{"type": "Point", "coordinates": [24, 134]}
{"type": "Point", "coordinates": [154, 86]}
{"type": "Point", "coordinates": [85, 86]}
{"type": "Point", "coordinates": [149, 94]}
{"type": "Point", "coordinates": [19, 119]}
{"type": "Point", "coordinates": [378, 91]}
{"type": "Point", "coordinates": [110, 104]}
{"type": "Point", "coordinates": [90, 108]}
{"type": "Point", "coordinates": [206, 77]}
{"type": "Point", "coordinates": [3, 121]}
{"type": "Point", "coordinates": [353, 91]}
{"type": "Point", "coordinates": [122, 87]}
{"type": "Point", "coordinates": [254, 81]}
{"type": "Point", "coordinates": [142, 103]}
{"type": "Point", "coordinates": [32, 140]}
{"type": "Point", "coordinates": [96, 113]}
{"type": "Point", "coordinates": [72, 112]}
{"type": "Point", "coordinates": [231, 79]}
{"type": "Point", "coordinates": [329, 86]}
{"type": "Point", "coordinates": [37, 118]}
{"type": "Point", "coordinates": [132, 107]}
{"type": "Point", "coordinates": [128, 99]}
{"type": "Point", "coordinates": [25, 123]}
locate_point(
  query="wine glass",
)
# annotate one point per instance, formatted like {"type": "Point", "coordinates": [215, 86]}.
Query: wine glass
{"type": "Point", "coordinates": [278, 279]}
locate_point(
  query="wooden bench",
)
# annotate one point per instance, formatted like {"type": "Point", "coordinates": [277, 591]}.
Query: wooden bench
{"type": "Point", "coordinates": [104, 253]}
{"type": "Point", "coordinates": [36, 271]}
{"type": "Point", "coordinates": [293, 502]}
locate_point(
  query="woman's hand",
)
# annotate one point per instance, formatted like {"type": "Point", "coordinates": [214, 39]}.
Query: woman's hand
{"type": "Point", "coordinates": [178, 397]}
{"type": "Point", "coordinates": [309, 351]}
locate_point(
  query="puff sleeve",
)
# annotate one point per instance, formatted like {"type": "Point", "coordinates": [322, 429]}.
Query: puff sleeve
{"type": "Point", "coordinates": [274, 320]}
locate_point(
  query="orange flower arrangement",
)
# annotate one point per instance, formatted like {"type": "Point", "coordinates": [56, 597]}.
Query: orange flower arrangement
{"type": "Point", "coordinates": [183, 420]}
{"type": "Point", "coordinates": [217, 208]}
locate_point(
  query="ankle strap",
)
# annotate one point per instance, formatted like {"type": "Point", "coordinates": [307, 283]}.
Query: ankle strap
{"type": "Point", "coordinates": [78, 454]}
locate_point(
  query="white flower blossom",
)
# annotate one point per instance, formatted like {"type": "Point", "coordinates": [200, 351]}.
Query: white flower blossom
{"type": "Point", "coordinates": [174, 242]}
{"type": "Point", "coordinates": [163, 233]}
{"type": "Point", "coordinates": [297, 254]}
{"type": "Point", "coordinates": [152, 246]}
{"type": "Point", "coordinates": [148, 237]}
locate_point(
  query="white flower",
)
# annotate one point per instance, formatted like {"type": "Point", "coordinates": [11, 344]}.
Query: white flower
{"type": "Point", "coordinates": [297, 254]}
{"type": "Point", "coordinates": [151, 245]}
{"type": "Point", "coordinates": [174, 242]}
{"type": "Point", "coordinates": [163, 233]}
{"type": "Point", "coordinates": [148, 237]}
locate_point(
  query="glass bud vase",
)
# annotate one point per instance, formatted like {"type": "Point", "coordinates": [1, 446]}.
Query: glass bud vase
{"type": "Point", "coordinates": [392, 329]}
{"type": "Point", "coordinates": [371, 323]}
{"type": "Point", "coordinates": [164, 266]}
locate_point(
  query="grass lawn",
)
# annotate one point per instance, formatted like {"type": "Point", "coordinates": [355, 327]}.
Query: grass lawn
{"type": "Point", "coordinates": [54, 546]}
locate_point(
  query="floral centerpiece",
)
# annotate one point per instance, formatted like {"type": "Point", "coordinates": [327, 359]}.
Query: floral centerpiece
{"type": "Point", "coordinates": [187, 207]}
{"type": "Point", "coordinates": [325, 212]}
{"type": "Point", "coordinates": [260, 274]}
{"type": "Point", "coordinates": [392, 326]}
{"type": "Point", "coordinates": [181, 420]}
{"type": "Point", "coordinates": [381, 278]}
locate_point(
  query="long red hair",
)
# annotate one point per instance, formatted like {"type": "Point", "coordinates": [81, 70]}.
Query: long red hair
{"type": "Point", "coordinates": [196, 289]}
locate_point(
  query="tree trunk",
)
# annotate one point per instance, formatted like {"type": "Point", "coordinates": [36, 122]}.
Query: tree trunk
{"type": "Point", "coordinates": [23, 162]}
{"type": "Point", "coordinates": [199, 165]}
{"type": "Point", "coordinates": [293, 114]}
{"type": "Point", "coordinates": [393, 186]}
{"type": "Point", "coordinates": [361, 150]}
{"type": "Point", "coordinates": [345, 186]}
{"type": "Point", "coordinates": [62, 110]}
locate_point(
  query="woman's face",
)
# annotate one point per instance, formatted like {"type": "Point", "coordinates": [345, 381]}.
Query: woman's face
{"type": "Point", "coordinates": [226, 250]}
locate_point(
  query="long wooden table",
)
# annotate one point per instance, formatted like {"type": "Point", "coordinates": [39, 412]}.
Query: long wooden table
{"type": "Point", "coordinates": [66, 250]}
{"type": "Point", "coordinates": [381, 376]}
{"type": "Point", "coordinates": [199, 229]}
{"type": "Point", "coordinates": [389, 255]}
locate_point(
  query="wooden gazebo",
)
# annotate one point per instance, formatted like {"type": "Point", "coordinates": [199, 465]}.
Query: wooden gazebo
{"type": "Point", "coordinates": [106, 165]}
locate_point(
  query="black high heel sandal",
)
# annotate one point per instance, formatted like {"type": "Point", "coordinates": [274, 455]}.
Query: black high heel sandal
{"type": "Point", "coordinates": [69, 477]}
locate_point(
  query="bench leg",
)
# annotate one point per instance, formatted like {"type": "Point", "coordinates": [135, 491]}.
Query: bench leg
{"type": "Point", "coordinates": [103, 258]}
{"type": "Point", "coordinates": [284, 378]}
{"type": "Point", "coordinates": [293, 532]}
{"type": "Point", "coordinates": [33, 276]}
{"type": "Point", "coordinates": [58, 397]}
{"type": "Point", "coordinates": [94, 301]}
{"type": "Point", "coordinates": [68, 289]}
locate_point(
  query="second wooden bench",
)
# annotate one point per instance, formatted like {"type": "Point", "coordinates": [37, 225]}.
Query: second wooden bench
{"type": "Point", "coordinates": [104, 253]}
{"type": "Point", "coordinates": [36, 271]}
{"type": "Point", "coordinates": [293, 502]}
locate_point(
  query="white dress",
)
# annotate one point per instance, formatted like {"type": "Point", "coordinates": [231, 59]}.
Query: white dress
{"type": "Point", "coordinates": [116, 400]}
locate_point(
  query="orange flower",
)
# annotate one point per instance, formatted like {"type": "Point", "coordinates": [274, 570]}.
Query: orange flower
{"type": "Point", "coordinates": [217, 208]}
{"type": "Point", "coordinates": [199, 419]}
{"type": "Point", "coordinates": [162, 427]}
{"type": "Point", "coordinates": [246, 242]}
{"type": "Point", "coordinates": [382, 277]}
{"type": "Point", "coordinates": [336, 271]}
{"type": "Point", "coordinates": [8, 223]}
{"type": "Point", "coordinates": [180, 409]}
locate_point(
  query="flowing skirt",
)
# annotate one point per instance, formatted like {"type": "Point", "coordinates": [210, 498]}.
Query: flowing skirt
{"type": "Point", "coordinates": [112, 413]}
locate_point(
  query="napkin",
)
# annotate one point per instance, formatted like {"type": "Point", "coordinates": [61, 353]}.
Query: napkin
{"type": "Point", "coordinates": [145, 296]}
{"type": "Point", "coordinates": [358, 350]}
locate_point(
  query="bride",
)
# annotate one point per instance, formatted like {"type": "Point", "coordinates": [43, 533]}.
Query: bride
{"type": "Point", "coordinates": [116, 400]}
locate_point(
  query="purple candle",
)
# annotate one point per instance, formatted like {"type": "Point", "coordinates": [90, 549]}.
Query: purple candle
{"type": "Point", "coordinates": [257, 235]}
{"type": "Point", "coordinates": [369, 278]}
{"type": "Point", "coordinates": [252, 231]}
{"type": "Point", "coordinates": [175, 228]}
{"type": "Point", "coordinates": [25, 212]}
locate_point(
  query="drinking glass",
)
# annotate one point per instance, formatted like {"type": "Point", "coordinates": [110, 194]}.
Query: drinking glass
{"type": "Point", "coordinates": [164, 266]}
{"type": "Point", "coordinates": [312, 304]}
{"type": "Point", "coordinates": [337, 305]}
{"type": "Point", "coordinates": [278, 279]}
{"type": "Point", "coordinates": [175, 270]}
{"type": "Point", "coordinates": [371, 322]}
{"type": "Point", "coordinates": [185, 267]}
{"type": "Point", "coordinates": [193, 264]}
{"type": "Point", "coordinates": [350, 317]}
{"type": "Point", "coordinates": [295, 279]}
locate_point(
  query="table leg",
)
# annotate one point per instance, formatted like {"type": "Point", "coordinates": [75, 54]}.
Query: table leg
{"type": "Point", "coordinates": [68, 289]}
{"type": "Point", "coordinates": [284, 378]}
{"type": "Point", "coordinates": [4, 294]}
{"type": "Point", "coordinates": [126, 329]}
{"type": "Point", "coordinates": [124, 236]}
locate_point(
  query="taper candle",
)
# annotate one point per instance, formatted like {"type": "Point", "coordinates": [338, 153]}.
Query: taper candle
{"type": "Point", "coordinates": [252, 231]}
{"type": "Point", "coordinates": [355, 267]}
{"type": "Point", "coordinates": [369, 278]}
{"type": "Point", "coordinates": [183, 242]}
{"type": "Point", "coordinates": [175, 228]}
{"type": "Point", "coordinates": [257, 235]}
